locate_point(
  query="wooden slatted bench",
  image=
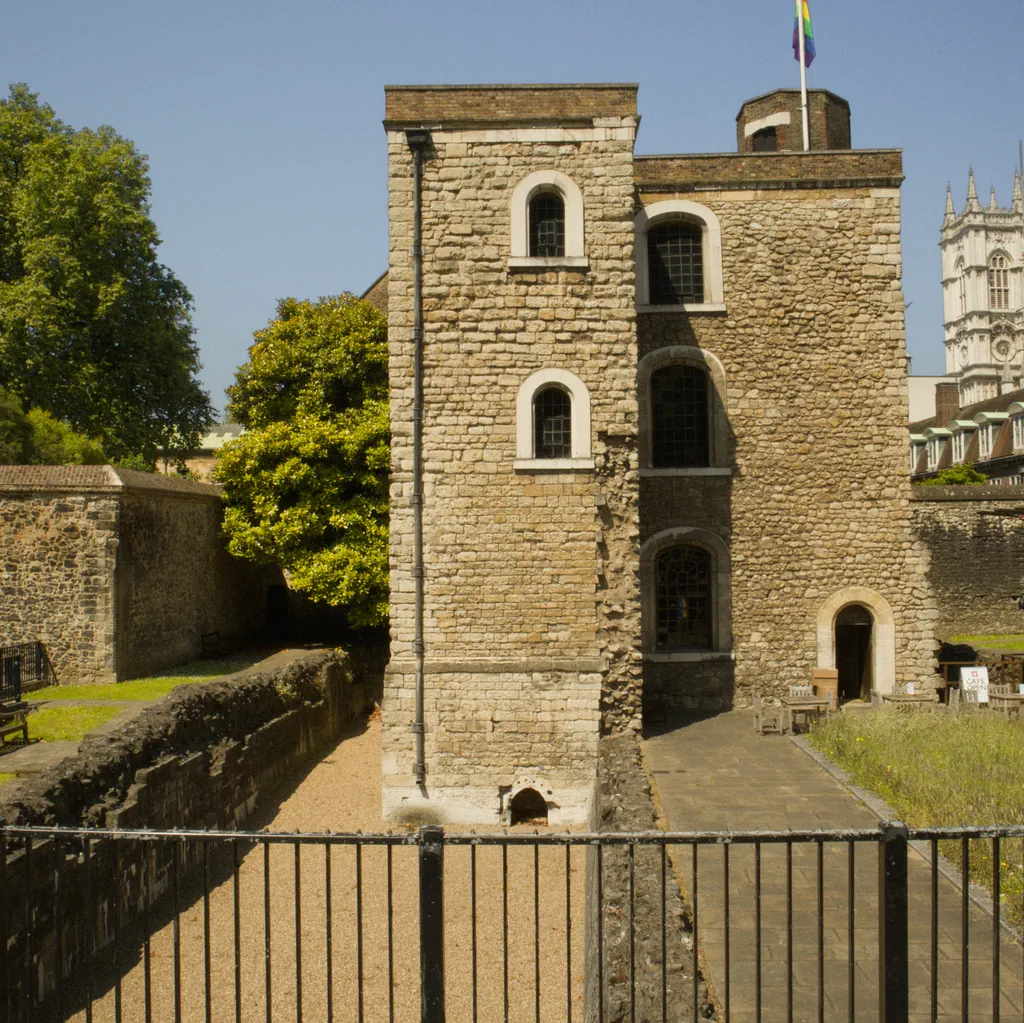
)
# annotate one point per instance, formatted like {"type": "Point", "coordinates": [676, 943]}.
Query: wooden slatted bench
{"type": "Point", "coordinates": [14, 719]}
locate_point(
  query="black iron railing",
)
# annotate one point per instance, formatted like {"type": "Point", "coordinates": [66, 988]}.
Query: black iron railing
{"type": "Point", "coordinates": [434, 925]}
{"type": "Point", "coordinates": [23, 664]}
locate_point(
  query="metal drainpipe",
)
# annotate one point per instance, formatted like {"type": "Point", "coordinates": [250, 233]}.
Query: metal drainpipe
{"type": "Point", "coordinates": [418, 142]}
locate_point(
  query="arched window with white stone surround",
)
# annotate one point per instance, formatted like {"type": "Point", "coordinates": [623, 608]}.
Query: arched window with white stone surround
{"type": "Point", "coordinates": [546, 212]}
{"type": "Point", "coordinates": [553, 423]}
{"type": "Point", "coordinates": [961, 282]}
{"type": "Point", "coordinates": [678, 252]}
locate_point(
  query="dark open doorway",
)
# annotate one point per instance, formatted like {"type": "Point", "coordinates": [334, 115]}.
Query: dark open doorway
{"type": "Point", "coordinates": [853, 652]}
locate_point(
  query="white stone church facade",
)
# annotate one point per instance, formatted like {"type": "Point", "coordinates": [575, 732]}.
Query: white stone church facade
{"type": "Point", "coordinates": [983, 294]}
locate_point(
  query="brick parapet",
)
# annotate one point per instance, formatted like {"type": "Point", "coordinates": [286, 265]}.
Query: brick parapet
{"type": "Point", "coordinates": [875, 168]}
{"type": "Point", "coordinates": [509, 104]}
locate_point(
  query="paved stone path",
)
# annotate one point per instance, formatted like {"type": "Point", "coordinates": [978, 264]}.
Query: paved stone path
{"type": "Point", "coordinates": [717, 774]}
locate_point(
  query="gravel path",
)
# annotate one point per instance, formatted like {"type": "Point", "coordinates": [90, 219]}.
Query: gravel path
{"type": "Point", "coordinates": [341, 793]}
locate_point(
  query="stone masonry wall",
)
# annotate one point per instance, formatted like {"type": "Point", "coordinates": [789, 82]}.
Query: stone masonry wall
{"type": "Point", "coordinates": [59, 552]}
{"type": "Point", "coordinates": [118, 572]}
{"type": "Point", "coordinates": [177, 583]}
{"type": "Point", "coordinates": [525, 572]}
{"type": "Point", "coordinates": [971, 541]}
{"type": "Point", "coordinates": [207, 756]}
{"type": "Point", "coordinates": [812, 346]}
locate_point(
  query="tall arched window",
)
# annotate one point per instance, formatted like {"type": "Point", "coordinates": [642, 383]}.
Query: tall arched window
{"type": "Point", "coordinates": [679, 417]}
{"type": "Point", "coordinates": [547, 225]}
{"type": "Point", "coordinates": [675, 264]}
{"type": "Point", "coordinates": [998, 282]}
{"type": "Point", "coordinates": [683, 599]}
{"type": "Point", "coordinates": [962, 285]}
{"type": "Point", "coordinates": [552, 423]}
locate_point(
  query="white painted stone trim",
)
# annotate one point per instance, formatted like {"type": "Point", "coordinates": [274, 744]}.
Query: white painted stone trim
{"type": "Point", "coordinates": [682, 209]}
{"type": "Point", "coordinates": [771, 121]}
{"type": "Point", "coordinates": [580, 405]}
{"type": "Point", "coordinates": [883, 634]}
{"type": "Point", "coordinates": [718, 427]}
{"type": "Point", "coordinates": [721, 591]}
{"type": "Point", "coordinates": [572, 197]}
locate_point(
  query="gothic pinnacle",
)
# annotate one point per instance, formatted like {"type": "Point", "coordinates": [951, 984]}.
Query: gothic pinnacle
{"type": "Point", "coordinates": [992, 207]}
{"type": "Point", "coordinates": [950, 212]}
{"type": "Point", "coordinates": [972, 192]}
{"type": "Point", "coordinates": [1018, 199]}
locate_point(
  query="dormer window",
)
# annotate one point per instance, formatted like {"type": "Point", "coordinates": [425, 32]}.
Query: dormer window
{"type": "Point", "coordinates": [547, 225]}
{"type": "Point", "coordinates": [934, 452]}
{"type": "Point", "coordinates": [1018, 432]}
{"type": "Point", "coordinates": [985, 440]}
{"type": "Point", "coordinates": [958, 446]}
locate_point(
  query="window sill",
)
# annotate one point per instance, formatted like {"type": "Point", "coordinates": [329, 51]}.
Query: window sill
{"type": "Point", "coordinates": [704, 470]}
{"type": "Point", "coordinates": [689, 656]}
{"type": "Point", "coordinates": [553, 464]}
{"type": "Point", "coordinates": [686, 307]}
{"type": "Point", "coordinates": [548, 263]}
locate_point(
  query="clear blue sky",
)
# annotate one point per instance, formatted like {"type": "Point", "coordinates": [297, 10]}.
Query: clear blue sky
{"type": "Point", "coordinates": [262, 120]}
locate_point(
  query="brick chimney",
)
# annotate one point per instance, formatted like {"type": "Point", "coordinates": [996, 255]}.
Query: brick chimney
{"type": "Point", "coordinates": [947, 402]}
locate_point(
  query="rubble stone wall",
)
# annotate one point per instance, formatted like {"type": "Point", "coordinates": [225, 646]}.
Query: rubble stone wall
{"type": "Point", "coordinates": [812, 346]}
{"type": "Point", "coordinates": [971, 541]}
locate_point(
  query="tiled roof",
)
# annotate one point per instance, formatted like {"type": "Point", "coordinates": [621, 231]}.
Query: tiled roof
{"type": "Point", "coordinates": [998, 404]}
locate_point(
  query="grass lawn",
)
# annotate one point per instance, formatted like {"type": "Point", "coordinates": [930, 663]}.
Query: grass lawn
{"type": "Point", "coordinates": [1013, 641]}
{"type": "Point", "coordinates": [941, 769]}
{"type": "Point", "coordinates": [146, 688]}
{"type": "Point", "coordinates": [67, 724]}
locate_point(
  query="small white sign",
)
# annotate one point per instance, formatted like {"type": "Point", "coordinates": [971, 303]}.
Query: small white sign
{"type": "Point", "coordinates": [976, 680]}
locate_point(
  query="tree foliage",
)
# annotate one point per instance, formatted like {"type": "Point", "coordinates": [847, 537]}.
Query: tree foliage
{"type": "Point", "coordinates": [93, 329]}
{"type": "Point", "coordinates": [306, 486]}
{"type": "Point", "coordinates": [37, 438]}
{"type": "Point", "coordinates": [955, 475]}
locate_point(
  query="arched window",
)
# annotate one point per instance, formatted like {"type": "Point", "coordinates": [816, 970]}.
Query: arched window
{"type": "Point", "coordinates": [679, 417]}
{"type": "Point", "coordinates": [962, 285]}
{"type": "Point", "coordinates": [552, 423]}
{"type": "Point", "coordinates": [683, 599]}
{"type": "Point", "coordinates": [546, 210]}
{"type": "Point", "coordinates": [998, 282]}
{"type": "Point", "coordinates": [678, 252]}
{"type": "Point", "coordinates": [675, 263]}
{"type": "Point", "coordinates": [547, 225]}
{"type": "Point", "coordinates": [765, 140]}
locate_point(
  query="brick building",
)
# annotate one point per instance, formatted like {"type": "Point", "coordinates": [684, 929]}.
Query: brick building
{"type": "Point", "coordinates": [649, 432]}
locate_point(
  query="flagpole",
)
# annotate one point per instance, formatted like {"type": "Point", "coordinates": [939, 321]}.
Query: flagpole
{"type": "Point", "coordinates": [803, 74]}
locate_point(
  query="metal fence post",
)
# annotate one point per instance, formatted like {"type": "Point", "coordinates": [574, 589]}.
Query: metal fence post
{"type": "Point", "coordinates": [431, 842]}
{"type": "Point", "coordinates": [893, 980]}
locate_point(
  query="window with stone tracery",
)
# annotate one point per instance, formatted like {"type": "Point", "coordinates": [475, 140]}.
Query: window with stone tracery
{"type": "Point", "coordinates": [684, 599]}
{"type": "Point", "coordinates": [998, 282]}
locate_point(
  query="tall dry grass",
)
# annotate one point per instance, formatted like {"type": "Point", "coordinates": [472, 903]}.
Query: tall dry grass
{"type": "Point", "coordinates": [942, 769]}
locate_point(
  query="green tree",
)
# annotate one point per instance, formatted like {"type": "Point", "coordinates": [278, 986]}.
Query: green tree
{"type": "Point", "coordinates": [37, 438]}
{"type": "Point", "coordinates": [955, 475]}
{"type": "Point", "coordinates": [93, 329]}
{"type": "Point", "coordinates": [306, 486]}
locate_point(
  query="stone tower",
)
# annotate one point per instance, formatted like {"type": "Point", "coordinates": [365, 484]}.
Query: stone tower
{"type": "Point", "coordinates": [525, 629]}
{"type": "Point", "coordinates": [983, 293]}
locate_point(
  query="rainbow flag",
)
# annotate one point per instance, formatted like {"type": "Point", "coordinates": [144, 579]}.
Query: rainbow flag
{"type": "Point", "coordinates": [808, 34]}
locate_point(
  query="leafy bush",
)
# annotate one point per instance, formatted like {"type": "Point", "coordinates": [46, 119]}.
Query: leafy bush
{"type": "Point", "coordinates": [955, 475]}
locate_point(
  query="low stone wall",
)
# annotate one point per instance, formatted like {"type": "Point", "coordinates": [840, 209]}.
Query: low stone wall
{"type": "Point", "coordinates": [624, 803]}
{"type": "Point", "coordinates": [973, 541]}
{"type": "Point", "coordinates": [202, 758]}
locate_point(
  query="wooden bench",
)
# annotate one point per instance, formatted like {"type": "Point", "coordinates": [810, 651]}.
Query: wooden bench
{"type": "Point", "coordinates": [14, 719]}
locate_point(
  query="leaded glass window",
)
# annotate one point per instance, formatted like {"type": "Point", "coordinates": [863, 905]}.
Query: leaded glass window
{"type": "Point", "coordinates": [675, 264]}
{"type": "Point", "coordinates": [547, 225]}
{"type": "Point", "coordinates": [679, 417]}
{"type": "Point", "coordinates": [552, 423]}
{"type": "Point", "coordinates": [684, 599]}
{"type": "Point", "coordinates": [765, 141]}
{"type": "Point", "coordinates": [998, 283]}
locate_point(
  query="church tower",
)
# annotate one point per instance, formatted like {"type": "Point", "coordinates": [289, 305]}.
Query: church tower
{"type": "Point", "coordinates": [983, 293]}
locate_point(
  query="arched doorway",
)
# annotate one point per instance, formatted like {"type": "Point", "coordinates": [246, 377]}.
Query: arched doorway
{"type": "Point", "coordinates": [854, 628]}
{"type": "Point", "coordinates": [881, 645]}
